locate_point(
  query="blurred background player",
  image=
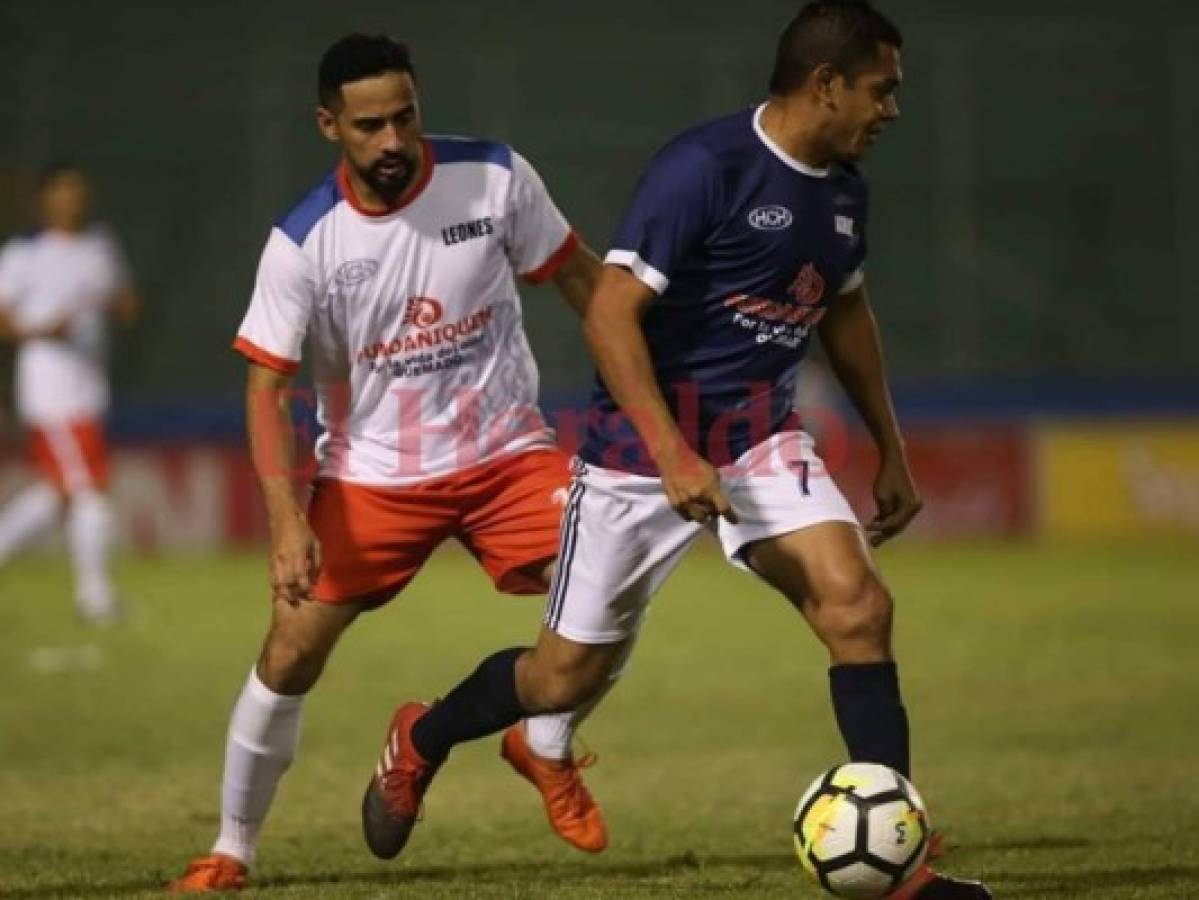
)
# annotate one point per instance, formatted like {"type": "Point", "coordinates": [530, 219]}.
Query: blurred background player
{"type": "Point", "coordinates": [58, 287]}
{"type": "Point", "coordinates": [745, 237]}
{"type": "Point", "coordinates": [399, 269]}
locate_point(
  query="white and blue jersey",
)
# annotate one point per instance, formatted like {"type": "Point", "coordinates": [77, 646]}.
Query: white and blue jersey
{"type": "Point", "coordinates": [745, 247]}
{"type": "Point", "coordinates": [412, 316]}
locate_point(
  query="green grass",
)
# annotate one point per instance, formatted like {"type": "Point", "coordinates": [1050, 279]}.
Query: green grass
{"type": "Point", "coordinates": [1054, 695]}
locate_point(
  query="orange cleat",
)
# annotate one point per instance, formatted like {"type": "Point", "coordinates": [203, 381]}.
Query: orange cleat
{"type": "Point", "coordinates": [210, 874]}
{"type": "Point", "coordinates": [572, 811]}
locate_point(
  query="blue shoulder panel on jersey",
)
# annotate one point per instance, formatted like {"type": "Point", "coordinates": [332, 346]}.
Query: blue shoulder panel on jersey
{"type": "Point", "coordinates": [302, 218]}
{"type": "Point", "coordinates": [453, 150]}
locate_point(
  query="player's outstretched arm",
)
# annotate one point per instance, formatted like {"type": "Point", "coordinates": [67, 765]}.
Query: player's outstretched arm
{"type": "Point", "coordinates": [577, 278]}
{"type": "Point", "coordinates": [612, 328]}
{"type": "Point", "coordinates": [9, 333]}
{"type": "Point", "coordinates": [849, 333]}
{"type": "Point", "coordinates": [295, 553]}
{"type": "Point", "coordinates": [125, 306]}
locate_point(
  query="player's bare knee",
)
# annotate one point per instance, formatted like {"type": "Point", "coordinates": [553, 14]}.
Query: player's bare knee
{"type": "Point", "coordinates": [861, 615]}
{"type": "Point", "coordinates": [289, 665]}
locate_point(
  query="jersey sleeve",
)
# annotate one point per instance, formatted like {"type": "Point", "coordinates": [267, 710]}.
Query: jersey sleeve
{"type": "Point", "coordinates": [857, 253]}
{"type": "Point", "coordinates": [672, 211]}
{"type": "Point", "coordinates": [540, 239]}
{"type": "Point", "coordinates": [284, 291]}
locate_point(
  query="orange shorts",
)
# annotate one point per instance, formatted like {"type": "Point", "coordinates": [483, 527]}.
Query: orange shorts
{"type": "Point", "coordinates": [505, 512]}
{"type": "Point", "coordinates": [73, 455]}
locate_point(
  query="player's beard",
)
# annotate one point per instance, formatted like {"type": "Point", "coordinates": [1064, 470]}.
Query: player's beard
{"type": "Point", "coordinates": [390, 175]}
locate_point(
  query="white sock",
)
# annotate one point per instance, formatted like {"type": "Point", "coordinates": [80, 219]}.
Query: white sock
{"type": "Point", "coordinates": [89, 534]}
{"type": "Point", "coordinates": [264, 732]}
{"type": "Point", "coordinates": [30, 513]}
{"type": "Point", "coordinates": [550, 736]}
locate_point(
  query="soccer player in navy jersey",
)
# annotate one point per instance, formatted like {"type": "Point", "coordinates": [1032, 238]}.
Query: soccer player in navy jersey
{"type": "Point", "coordinates": [745, 236]}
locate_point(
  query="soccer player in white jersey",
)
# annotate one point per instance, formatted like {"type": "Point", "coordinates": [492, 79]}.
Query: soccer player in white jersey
{"type": "Point", "coordinates": [58, 287]}
{"type": "Point", "coordinates": [744, 239]}
{"type": "Point", "coordinates": [400, 270]}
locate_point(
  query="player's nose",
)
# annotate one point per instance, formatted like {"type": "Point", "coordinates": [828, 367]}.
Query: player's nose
{"type": "Point", "coordinates": [393, 139]}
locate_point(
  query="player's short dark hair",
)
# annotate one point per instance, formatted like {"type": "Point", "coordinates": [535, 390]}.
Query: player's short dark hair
{"type": "Point", "coordinates": [54, 170]}
{"type": "Point", "coordinates": [358, 56]}
{"type": "Point", "coordinates": [843, 33]}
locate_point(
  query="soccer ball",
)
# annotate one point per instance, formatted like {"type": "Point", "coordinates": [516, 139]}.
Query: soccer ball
{"type": "Point", "coordinates": [861, 830]}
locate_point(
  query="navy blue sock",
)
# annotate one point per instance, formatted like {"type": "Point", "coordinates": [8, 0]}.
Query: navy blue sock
{"type": "Point", "coordinates": [870, 713]}
{"type": "Point", "coordinates": [482, 704]}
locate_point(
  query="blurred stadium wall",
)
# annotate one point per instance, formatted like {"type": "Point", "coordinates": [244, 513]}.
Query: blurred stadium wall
{"type": "Point", "coordinates": [1034, 230]}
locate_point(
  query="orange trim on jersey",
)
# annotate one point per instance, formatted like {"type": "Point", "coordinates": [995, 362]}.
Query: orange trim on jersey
{"type": "Point", "coordinates": [256, 354]}
{"type": "Point", "coordinates": [411, 192]}
{"type": "Point", "coordinates": [550, 267]}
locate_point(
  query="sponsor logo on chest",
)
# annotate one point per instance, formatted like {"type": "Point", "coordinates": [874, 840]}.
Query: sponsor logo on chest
{"type": "Point", "coordinates": [467, 231]}
{"type": "Point", "coordinates": [770, 218]}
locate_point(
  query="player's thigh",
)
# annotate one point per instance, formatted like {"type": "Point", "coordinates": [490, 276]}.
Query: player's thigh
{"type": "Point", "coordinates": [511, 523]}
{"type": "Point", "coordinates": [620, 541]}
{"type": "Point", "coordinates": [815, 566]}
{"type": "Point", "coordinates": [828, 573]}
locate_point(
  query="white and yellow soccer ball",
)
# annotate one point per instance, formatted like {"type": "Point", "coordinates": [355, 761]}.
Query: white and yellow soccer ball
{"type": "Point", "coordinates": [861, 830]}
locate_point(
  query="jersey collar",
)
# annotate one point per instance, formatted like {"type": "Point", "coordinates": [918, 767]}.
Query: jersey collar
{"type": "Point", "coordinates": [778, 151]}
{"type": "Point", "coordinates": [414, 190]}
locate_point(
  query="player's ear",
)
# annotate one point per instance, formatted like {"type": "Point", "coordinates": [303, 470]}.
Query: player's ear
{"type": "Point", "coordinates": [326, 121]}
{"type": "Point", "coordinates": [824, 81]}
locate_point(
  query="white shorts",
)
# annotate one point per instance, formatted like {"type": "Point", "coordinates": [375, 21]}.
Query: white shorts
{"type": "Point", "coordinates": [621, 538]}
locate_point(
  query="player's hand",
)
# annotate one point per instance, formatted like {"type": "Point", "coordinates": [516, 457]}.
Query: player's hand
{"type": "Point", "coordinates": [897, 499]}
{"type": "Point", "coordinates": [60, 330]}
{"type": "Point", "coordinates": [693, 487]}
{"type": "Point", "coordinates": [295, 560]}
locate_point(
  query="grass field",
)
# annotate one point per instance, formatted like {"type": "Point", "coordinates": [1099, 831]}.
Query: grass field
{"type": "Point", "coordinates": [1054, 695]}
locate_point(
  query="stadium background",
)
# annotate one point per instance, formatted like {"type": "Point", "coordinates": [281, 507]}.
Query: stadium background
{"type": "Point", "coordinates": [1035, 218]}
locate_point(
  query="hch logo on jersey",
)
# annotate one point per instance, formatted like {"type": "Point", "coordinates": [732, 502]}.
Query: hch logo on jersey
{"type": "Point", "coordinates": [355, 271]}
{"type": "Point", "coordinates": [422, 312]}
{"type": "Point", "coordinates": [770, 218]}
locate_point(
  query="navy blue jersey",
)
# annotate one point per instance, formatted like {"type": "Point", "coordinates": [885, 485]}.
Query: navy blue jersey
{"type": "Point", "coordinates": [745, 247]}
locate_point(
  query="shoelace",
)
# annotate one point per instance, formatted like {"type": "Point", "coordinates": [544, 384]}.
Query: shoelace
{"type": "Point", "coordinates": [209, 863]}
{"type": "Point", "coordinates": [569, 789]}
{"type": "Point", "coordinates": [399, 783]}
{"type": "Point", "coordinates": [213, 864]}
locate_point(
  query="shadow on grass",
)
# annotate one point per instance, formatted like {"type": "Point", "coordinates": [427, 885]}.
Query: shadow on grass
{"type": "Point", "coordinates": [1086, 883]}
{"type": "Point", "coordinates": [529, 875]}
{"type": "Point", "coordinates": [525, 873]}
{"type": "Point", "coordinates": [1032, 843]}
